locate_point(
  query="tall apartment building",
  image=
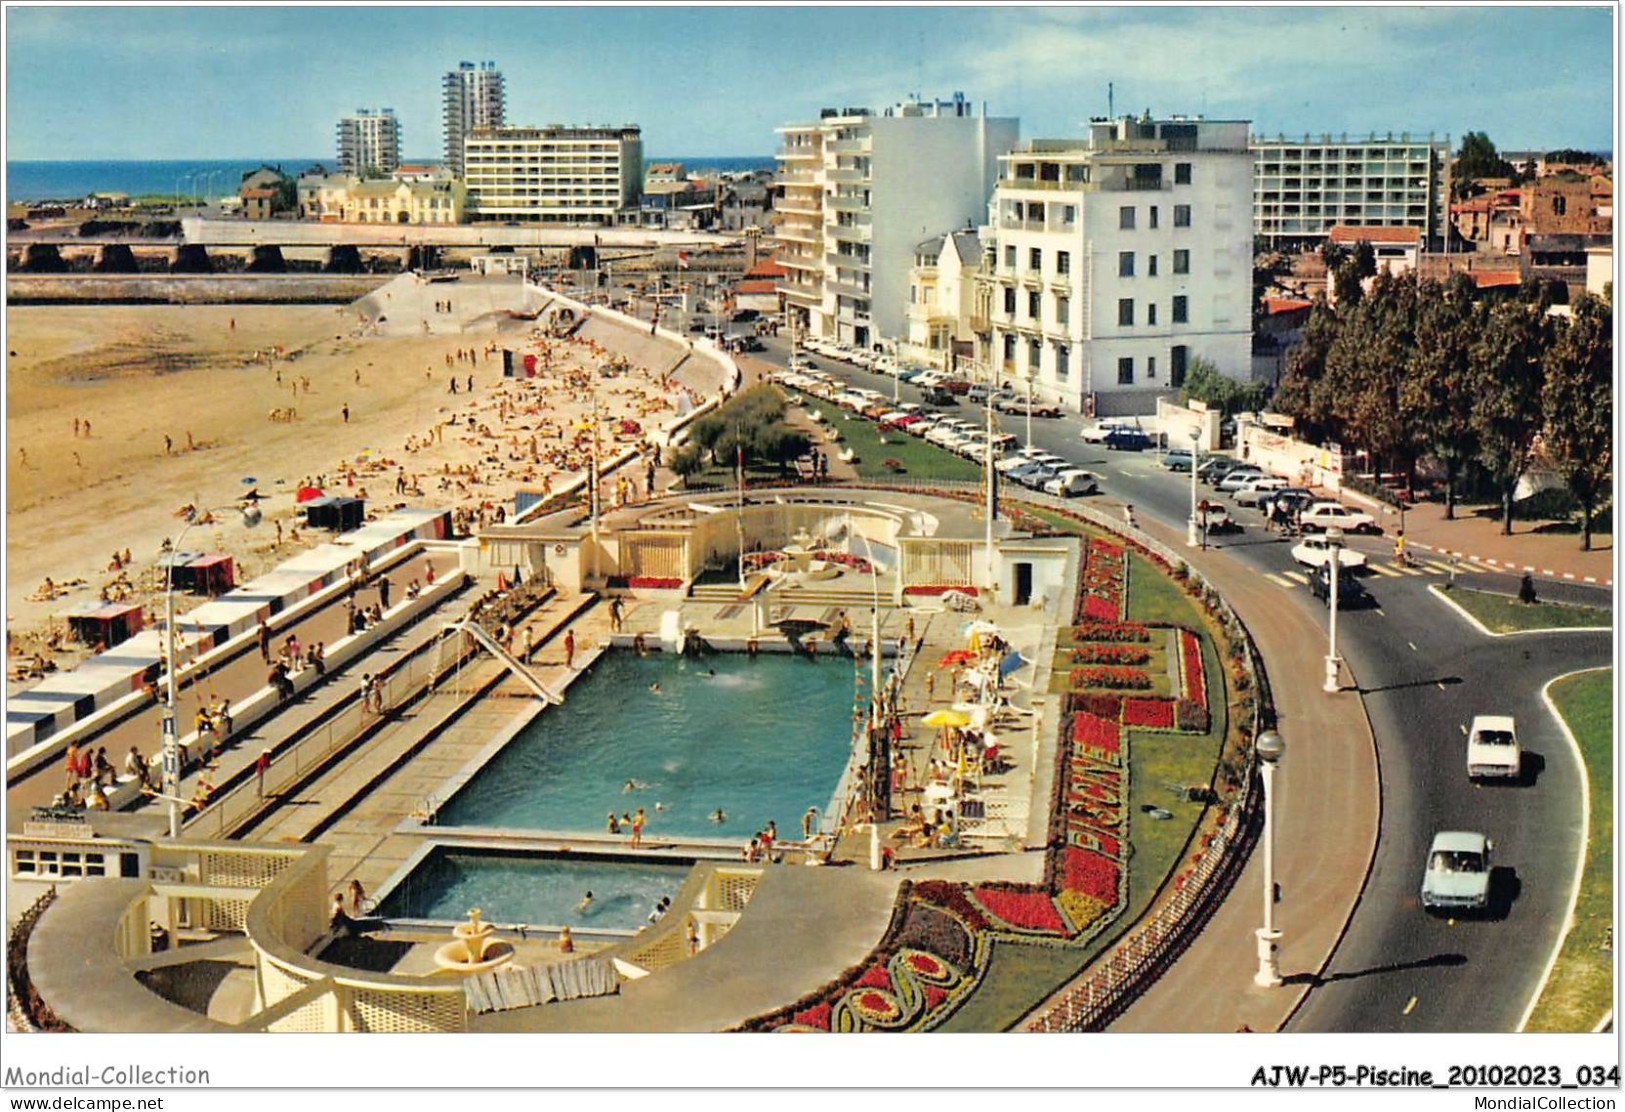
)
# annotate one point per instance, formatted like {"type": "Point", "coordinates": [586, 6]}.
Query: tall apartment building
{"type": "Point", "coordinates": [1303, 188]}
{"type": "Point", "coordinates": [1117, 259]}
{"type": "Point", "coordinates": [554, 174]}
{"type": "Point", "coordinates": [473, 99]}
{"type": "Point", "coordinates": [369, 142]}
{"type": "Point", "coordinates": [858, 190]}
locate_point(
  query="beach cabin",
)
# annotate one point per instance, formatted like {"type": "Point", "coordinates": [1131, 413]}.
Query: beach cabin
{"type": "Point", "coordinates": [209, 575]}
{"type": "Point", "coordinates": [106, 625]}
{"type": "Point", "coordinates": [340, 515]}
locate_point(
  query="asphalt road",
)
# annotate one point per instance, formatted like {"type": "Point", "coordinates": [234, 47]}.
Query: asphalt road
{"type": "Point", "coordinates": [1423, 673]}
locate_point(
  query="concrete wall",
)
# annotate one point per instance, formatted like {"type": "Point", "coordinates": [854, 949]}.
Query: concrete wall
{"type": "Point", "coordinates": [184, 289]}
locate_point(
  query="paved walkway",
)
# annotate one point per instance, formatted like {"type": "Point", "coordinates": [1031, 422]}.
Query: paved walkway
{"type": "Point", "coordinates": [1327, 809]}
{"type": "Point", "coordinates": [1532, 547]}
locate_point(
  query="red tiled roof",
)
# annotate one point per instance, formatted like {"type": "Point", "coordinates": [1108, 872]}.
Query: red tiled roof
{"type": "Point", "coordinates": [1488, 279]}
{"type": "Point", "coordinates": [258, 194]}
{"type": "Point", "coordinates": [756, 285]}
{"type": "Point", "coordinates": [767, 268]}
{"type": "Point", "coordinates": [1345, 233]}
{"type": "Point", "coordinates": [1273, 305]}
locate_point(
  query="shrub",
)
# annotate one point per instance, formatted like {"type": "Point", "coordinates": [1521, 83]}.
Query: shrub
{"type": "Point", "coordinates": [1131, 679]}
{"type": "Point", "coordinates": [1191, 717]}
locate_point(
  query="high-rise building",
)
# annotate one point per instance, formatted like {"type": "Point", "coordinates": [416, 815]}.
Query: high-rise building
{"type": "Point", "coordinates": [554, 175]}
{"type": "Point", "coordinates": [1302, 188]}
{"type": "Point", "coordinates": [369, 142]}
{"type": "Point", "coordinates": [1116, 260]}
{"type": "Point", "coordinates": [858, 192]}
{"type": "Point", "coordinates": [474, 98]}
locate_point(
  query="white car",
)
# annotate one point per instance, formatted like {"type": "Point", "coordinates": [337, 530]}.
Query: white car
{"type": "Point", "coordinates": [1237, 479]}
{"type": "Point", "coordinates": [1492, 748]}
{"type": "Point", "coordinates": [1251, 492]}
{"type": "Point", "coordinates": [1019, 458]}
{"type": "Point", "coordinates": [1457, 877]}
{"type": "Point", "coordinates": [1100, 430]}
{"type": "Point", "coordinates": [1071, 484]}
{"type": "Point", "coordinates": [1314, 552]}
{"type": "Point", "coordinates": [1325, 515]}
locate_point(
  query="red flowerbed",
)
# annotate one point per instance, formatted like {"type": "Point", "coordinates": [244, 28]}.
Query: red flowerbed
{"type": "Point", "coordinates": [1096, 607]}
{"type": "Point", "coordinates": [1027, 909]}
{"type": "Point", "coordinates": [653, 583]}
{"type": "Point", "coordinates": [1105, 548]}
{"type": "Point", "coordinates": [816, 1016]}
{"type": "Point", "coordinates": [1129, 679]}
{"type": "Point", "coordinates": [1110, 654]}
{"type": "Point", "coordinates": [1084, 870]}
{"type": "Point", "coordinates": [1190, 670]}
{"type": "Point", "coordinates": [874, 977]}
{"type": "Point", "coordinates": [1157, 714]}
{"type": "Point", "coordinates": [1099, 703]}
{"type": "Point", "coordinates": [1110, 630]}
{"type": "Point", "coordinates": [937, 589]}
{"type": "Point", "coordinates": [1093, 732]}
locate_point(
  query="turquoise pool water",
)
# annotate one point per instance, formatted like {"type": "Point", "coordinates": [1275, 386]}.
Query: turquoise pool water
{"type": "Point", "coordinates": [540, 890]}
{"type": "Point", "coordinates": [761, 739]}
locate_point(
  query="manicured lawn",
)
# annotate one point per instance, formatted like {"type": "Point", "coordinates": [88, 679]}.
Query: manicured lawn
{"type": "Point", "coordinates": [1580, 991]}
{"type": "Point", "coordinates": [1505, 614]}
{"type": "Point", "coordinates": [920, 460]}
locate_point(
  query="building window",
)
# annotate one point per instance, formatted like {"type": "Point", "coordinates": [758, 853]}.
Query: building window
{"type": "Point", "coordinates": [1151, 266]}
{"type": "Point", "coordinates": [1125, 371]}
{"type": "Point", "coordinates": [1063, 262]}
{"type": "Point", "coordinates": [1125, 312]}
{"type": "Point", "coordinates": [1063, 310]}
{"type": "Point", "coordinates": [1069, 214]}
{"type": "Point", "coordinates": [1010, 258]}
{"type": "Point", "coordinates": [1182, 262]}
{"type": "Point", "coordinates": [1009, 348]}
{"type": "Point", "coordinates": [1125, 264]}
{"type": "Point", "coordinates": [1010, 301]}
{"type": "Point", "coordinates": [1151, 313]}
{"type": "Point", "coordinates": [1151, 366]}
{"type": "Point", "coordinates": [1035, 258]}
{"type": "Point", "coordinates": [1181, 312]}
{"type": "Point", "coordinates": [1153, 216]}
{"type": "Point", "coordinates": [913, 294]}
{"type": "Point", "coordinates": [1181, 356]}
{"type": "Point", "coordinates": [1125, 217]}
{"type": "Point", "coordinates": [1033, 304]}
{"type": "Point", "coordinates": [1182, 173]}
{"type": "Point", "coordinates": [1035, 356]}
{"type": "Point", "coordinates": [1063, 361]}
{"type": "Point", "coordinates": [1182, 216]}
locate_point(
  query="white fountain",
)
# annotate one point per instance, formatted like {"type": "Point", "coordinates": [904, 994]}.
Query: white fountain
{"type": "Point", "coordinates": [472, 949]}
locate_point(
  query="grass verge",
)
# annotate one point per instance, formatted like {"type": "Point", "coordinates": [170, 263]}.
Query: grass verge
{"type": "Point", "coordinates": [1505, 614]}
{"type": "Point", "coordinates": [1580, 991]}
{"type": "Point", "coordinates": [919, 459]}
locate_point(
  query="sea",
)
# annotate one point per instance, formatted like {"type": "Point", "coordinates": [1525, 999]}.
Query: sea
{"type": "Point", "coordinates": [40, 180]}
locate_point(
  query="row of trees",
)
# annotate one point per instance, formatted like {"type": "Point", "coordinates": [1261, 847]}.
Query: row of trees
{"type": "Point", "coordinates": [1420, 369]}
{"type": "Point", "coordinates": [749, 425]}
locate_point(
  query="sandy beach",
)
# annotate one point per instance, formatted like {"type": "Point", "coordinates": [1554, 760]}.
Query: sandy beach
{"type": "Point", "coordinates": [370, 397]}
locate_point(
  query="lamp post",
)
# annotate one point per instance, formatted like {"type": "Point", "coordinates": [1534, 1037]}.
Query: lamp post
{"type": "Point", "coordinates": [1270, 748]}
{"type": "Point", "coordinates": [171, 744]}
{"type": "Point", "coordinates": [1190, 532]}
{"type": "Point", "coordinates": [1334, 565]}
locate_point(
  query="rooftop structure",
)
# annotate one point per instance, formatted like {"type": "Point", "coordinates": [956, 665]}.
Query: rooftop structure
{"type": "Point", "coordinates": [473, 99]}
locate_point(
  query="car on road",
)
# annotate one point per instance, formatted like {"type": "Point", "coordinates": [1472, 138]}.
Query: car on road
{"type": "Point", "coordinates": [1214, 468]}
{"type": "Point", "coordinates": [1018, 407]}
{"type": "Point", "coordinates": [1214, 518]}
{"type": "Point", "coordinates": [1292, 498]}
{"type": "Point", "coordinates": [936, 395]}
{"type": "Point", "coordinates": [1325, 515]}
{"type": "Point", "coordinates": [1177, 459]}
{"type": "Point", "coordinates": [1457, 877]}
{"type": "Point", "coordinates": [1492, 748]}
{"type": "Point", "coordinates": [958, 387]}
{"type": "Point", "coordinates": [1100, 430]}
{"type": "Point", "coordinates": [1237, 478]}
{"type": "Point", "coordinates": [1127, 440]}
{"type": "Point", "coordinates": [1034, 475]}
{"type": "Point", "coordinates": [1250, 493]}
{"type": "Point", "coordinates": [1350, 594]}
{"type": "Point", "coordinates": [978, 393]}
{"type": "Point", "coordinates": [1073, 483]}
{"type": "Point", "coordinates": [1020, 458]}
{"type": "Point", "coordinates": [1314, 552]}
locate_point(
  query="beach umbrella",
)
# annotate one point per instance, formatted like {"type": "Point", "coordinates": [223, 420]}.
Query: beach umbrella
{"type": "Point", "coordinates": [1012, 660]}
{"type": "Point", "coordinates": [945, 719]}
{"type": "Point", "coordinates": [956, 657]}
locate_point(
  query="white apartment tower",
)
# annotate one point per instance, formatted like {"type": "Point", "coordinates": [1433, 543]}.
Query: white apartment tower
{"type": "Point", "coordinates": [553, 175]}
{"type": "Point", "coordinates": [1116, 260]}
{"type": "Point", "coordinates": [369, 142]}
{"type": "Point", "coordinates": [860, 190]}
{"type": "Point", "coordinates": [1302, 188]}
{"type": "Point", "coordinates": [474, 98]}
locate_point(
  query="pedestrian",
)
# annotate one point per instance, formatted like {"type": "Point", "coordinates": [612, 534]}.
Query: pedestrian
{"type": "Point", "coordinates": [569, 648]}
{"type": "Point", "coordinates": [1128, 515]}
{"type": "Point", "coordinates": [169, 444]}
{"type": "Point", "coordinates": [366, 692]}
{"type": "Point", "coordinates": [470, 384]}
{"type": "Point", "coordinates": [615, 610]}
{"type": "Point", "coordinates": [265, 641]}
{"type": "Point", "coordinates": [345, 411]}
{"type": "Point", "coordinates": [383, 593]}
{"type": "Point", "coordinates": [428, 572]}
{"type": "Point", "coordinates": [638, 820]}
{"type": "Point", "coordinates": [454, 384]}
{"type": "Point", "coordinates": [693, 934]}
{"type": "Point", "coordinates": [261, 763]}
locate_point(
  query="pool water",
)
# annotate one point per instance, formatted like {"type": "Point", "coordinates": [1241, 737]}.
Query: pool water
{"type": "Point", "coordinates": [536, 889]}
{"type": "Point", "coordinates": [762, 739]}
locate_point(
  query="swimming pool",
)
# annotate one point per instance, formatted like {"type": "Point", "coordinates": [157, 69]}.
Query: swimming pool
{"type": "Point", "coordinates": [538, 889]}
{"type": "Point", "coordinates": [760, 739]}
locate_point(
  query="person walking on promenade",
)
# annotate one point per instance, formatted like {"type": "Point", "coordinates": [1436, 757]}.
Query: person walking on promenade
{"type": "Point", "coordinates": [265, 641]}
{"type": "Point", "coordinates": [345, 411]}
{"type": "Point", "coordinates": [383, 593]}
{"type": "Point", "coordinates": [569, 648]}
{"type": "Point", "coordinates": [616, 609]}
{"type": "Point", "coordinates": [261, 763]}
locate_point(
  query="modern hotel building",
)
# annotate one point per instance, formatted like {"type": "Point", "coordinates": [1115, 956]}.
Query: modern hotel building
{"type": "Point", "coordinates": [553, 175]}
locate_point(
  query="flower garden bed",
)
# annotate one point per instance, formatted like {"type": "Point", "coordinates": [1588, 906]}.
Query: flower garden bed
{"type": "Point", "coordinates": [938, 589]}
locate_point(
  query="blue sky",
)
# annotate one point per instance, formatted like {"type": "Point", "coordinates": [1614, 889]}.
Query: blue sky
{"type": "Point", "coordinates": [236, 82]}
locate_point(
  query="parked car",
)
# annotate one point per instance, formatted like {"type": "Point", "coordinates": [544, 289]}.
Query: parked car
{"type": "Point", "coordinates": [1039, 409]}
{"type": "Point", "coordinates": [958, 387]}
{"type": "Point", "coordinates": [1034, 475]}
{"type": "Point", "coordinates": [978, 393]}
{"type": "Point", "coordinates": [1020, 458]}
{"type": "Point", "coordinates": [1214, 518]}
{"type": "Point", "coordinates": [1492, 748]}
{"type": "Point", "coordinates": [1313, 552]}
{"type": "Point", "coordinates": [1214, 468]}
{"type": "Point", "coordinates": [1324, 515]}
{"type": "Point", "coordinates": [1127, 440]}
{"type": "Point", "coordinates": [1292, 499]}
{"type": "Point", "coordinates": [1073, 483]}
{"type": "Point", "coordinates": [1457, 877]}
{"type": "Point", "coordinates": [1177, 459]}
{"type": "Point", "coordinates": [1100, 430]}
{"type": "Point", "coordinates": [1237, 478]}
{"type": "Point", "coordinates": [936, 395]}
{"type": "Point", "coordinates": [1250, 493]}
{"type": "Point", "coordinates": [1350, 594]}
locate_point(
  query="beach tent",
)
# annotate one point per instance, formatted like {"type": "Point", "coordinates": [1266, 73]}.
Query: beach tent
{"type": "Point", "coordinates": [106, 625]}
{"type": "Point", "coordinates": [211, 574]}
{"type": "Point", "coordinates": [337, 514]}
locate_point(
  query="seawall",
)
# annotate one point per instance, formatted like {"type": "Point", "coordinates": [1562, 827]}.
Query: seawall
{"type": "Point", "coordinates": [191, 289]}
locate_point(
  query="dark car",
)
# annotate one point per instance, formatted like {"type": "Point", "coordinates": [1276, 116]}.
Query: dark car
{"type": "Point", "coordinates": [1127, 440]}
{"type": "Point", "coordinates": [1292, 499]}
{"type": "Point", "coordinates": [956, 386]}
{"type": "Point", "coordinates": [1350, 593]}
{"type": "Point", "coordinates": [936, 395]}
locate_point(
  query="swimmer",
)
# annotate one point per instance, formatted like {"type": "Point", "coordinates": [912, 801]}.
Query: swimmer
{"type": "Point", "coordinates": [719, 816]}
{"type": "Point", "coordinates": [635, 786]}
{"type": "Point", "coordinates": [654, 688]}
{"type": "Point", "coordinates": [586, 902]}
{"type": "Point", "coordinates": [660, 806]}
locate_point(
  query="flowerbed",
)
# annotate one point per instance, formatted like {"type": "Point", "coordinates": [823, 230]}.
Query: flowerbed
{"type": "Point", "coordinates": [1110, 631]}
{"type": "Point", "coordinates": [1104, 581]}
{"type": "Point", "coordinates": [1192, 680]}
{"type": "Point", "coordinates": [1155, 714]}
{"type": "Point", "coordinates": [1090, 731]}
{"type": "Point", "coordinates": [937, 589]}
{"type": "Point", "coordinates": [1110, 654]}
{"type": "Point", "coordinates": [1022, 907]}
{"type": "Point", "coordinates": [654, 583]}
{"type": "Point", "coordinates": [1121, 679]}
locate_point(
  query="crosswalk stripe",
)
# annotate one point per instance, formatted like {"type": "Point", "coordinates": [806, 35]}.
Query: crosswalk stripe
{"type": "Point", "coordinates": [1382, 569]}
{"type": "Point", "coordinates": [1279, 581]}
{"type": "Point", "coordinates": [1296, 576]}
{"type": "Point", "coordinates": [1414, 571]}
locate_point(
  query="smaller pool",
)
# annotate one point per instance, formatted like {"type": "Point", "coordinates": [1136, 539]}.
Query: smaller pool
{"type": "Point", "coordinates": [533, 888]}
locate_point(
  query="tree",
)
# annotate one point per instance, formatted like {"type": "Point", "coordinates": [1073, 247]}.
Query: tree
{"type": "Point", "coordinates": [1477, 159]}
{"type": "Point", "coordinates": [1438, 391]}
{"type": "Point", "coordinates": [1507, 379]}
{"type": "Point", "coordinates": [685, 461]}
{"type": "Point", "coordinates": [1578, 405]}
{"type": "Point", "coordinates": [1205, 383]}
{"type": "Point", "coordinates": [1303, 393]}
{"type": "Point", "coordinates": [1365, 368]}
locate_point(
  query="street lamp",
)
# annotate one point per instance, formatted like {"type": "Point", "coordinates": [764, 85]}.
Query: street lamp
{"type": "Point", "coordinates": [1270, 748]}
{"type": "Point", "coordinates": [1334, 565]}
{"type": "Point", "coordinates": [171, 744]}
{"type": "Point", "coordinates": [1190, 533]}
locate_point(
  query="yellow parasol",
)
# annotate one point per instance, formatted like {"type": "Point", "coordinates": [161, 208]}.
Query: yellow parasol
{"type": "Point", "coordinates": [945, 718]}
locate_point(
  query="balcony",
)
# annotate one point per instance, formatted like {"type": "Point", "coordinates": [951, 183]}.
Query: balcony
{"type": "Point", "coordinates": [1061, 283]}
{"type": "Point", "coordinates": [848, 177]}
{"type": "Point", "coordinates": [810, 295]}
{"type": "Point", "coordinates": [850, 233]}
{"type": "Point", "coordinates": [798, 206]}
{"type": "Point", "coordinates": [849, 146]}
{"type": "Point", "coordinates": [785, 154]}
{"type": "Point", "coordinates": [1051, 186]}
{"type": "Point", "coordinates": [799, 233]}
{"type": "Point", "coordinates": [845, 288]}
{"type": "Point", "coordinates": [840, 203]}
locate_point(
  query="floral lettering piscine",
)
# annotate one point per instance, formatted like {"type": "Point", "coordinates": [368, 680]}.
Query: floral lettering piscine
{"type": "Point", "coordinates": [1115, 678]}
{"type": "Point", "coordinates": [1192, 680]}
{"type": "Point", "coordinates": [1110, 654]}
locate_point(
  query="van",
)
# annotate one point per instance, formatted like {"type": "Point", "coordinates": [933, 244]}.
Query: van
{"type": "Point", "coordinates": [936, 395]}
{"type": "Point", "coordinates": [977, 394]}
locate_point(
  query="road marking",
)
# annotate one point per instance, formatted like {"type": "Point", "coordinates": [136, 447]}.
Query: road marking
{"type": "Point", "coordinates": [1462, 726]}
{"type": "Point", "coordinates": [1440, 686]}
{"type": "Point", "coordinates": [1379, 611]}
{"type": "Point", "coordinates": [1279, 581]}
{"type": "Point", "coordinates": [1296, 576]}
{"type": "Point", "coordinates": [1409, 1006]}
{"type": "Point", "coordinates": [1382, 569]}
{"type": "Point", "coordinates": [1412, 571]}
{"type": "Point", "coordinates": [1412, 644]}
